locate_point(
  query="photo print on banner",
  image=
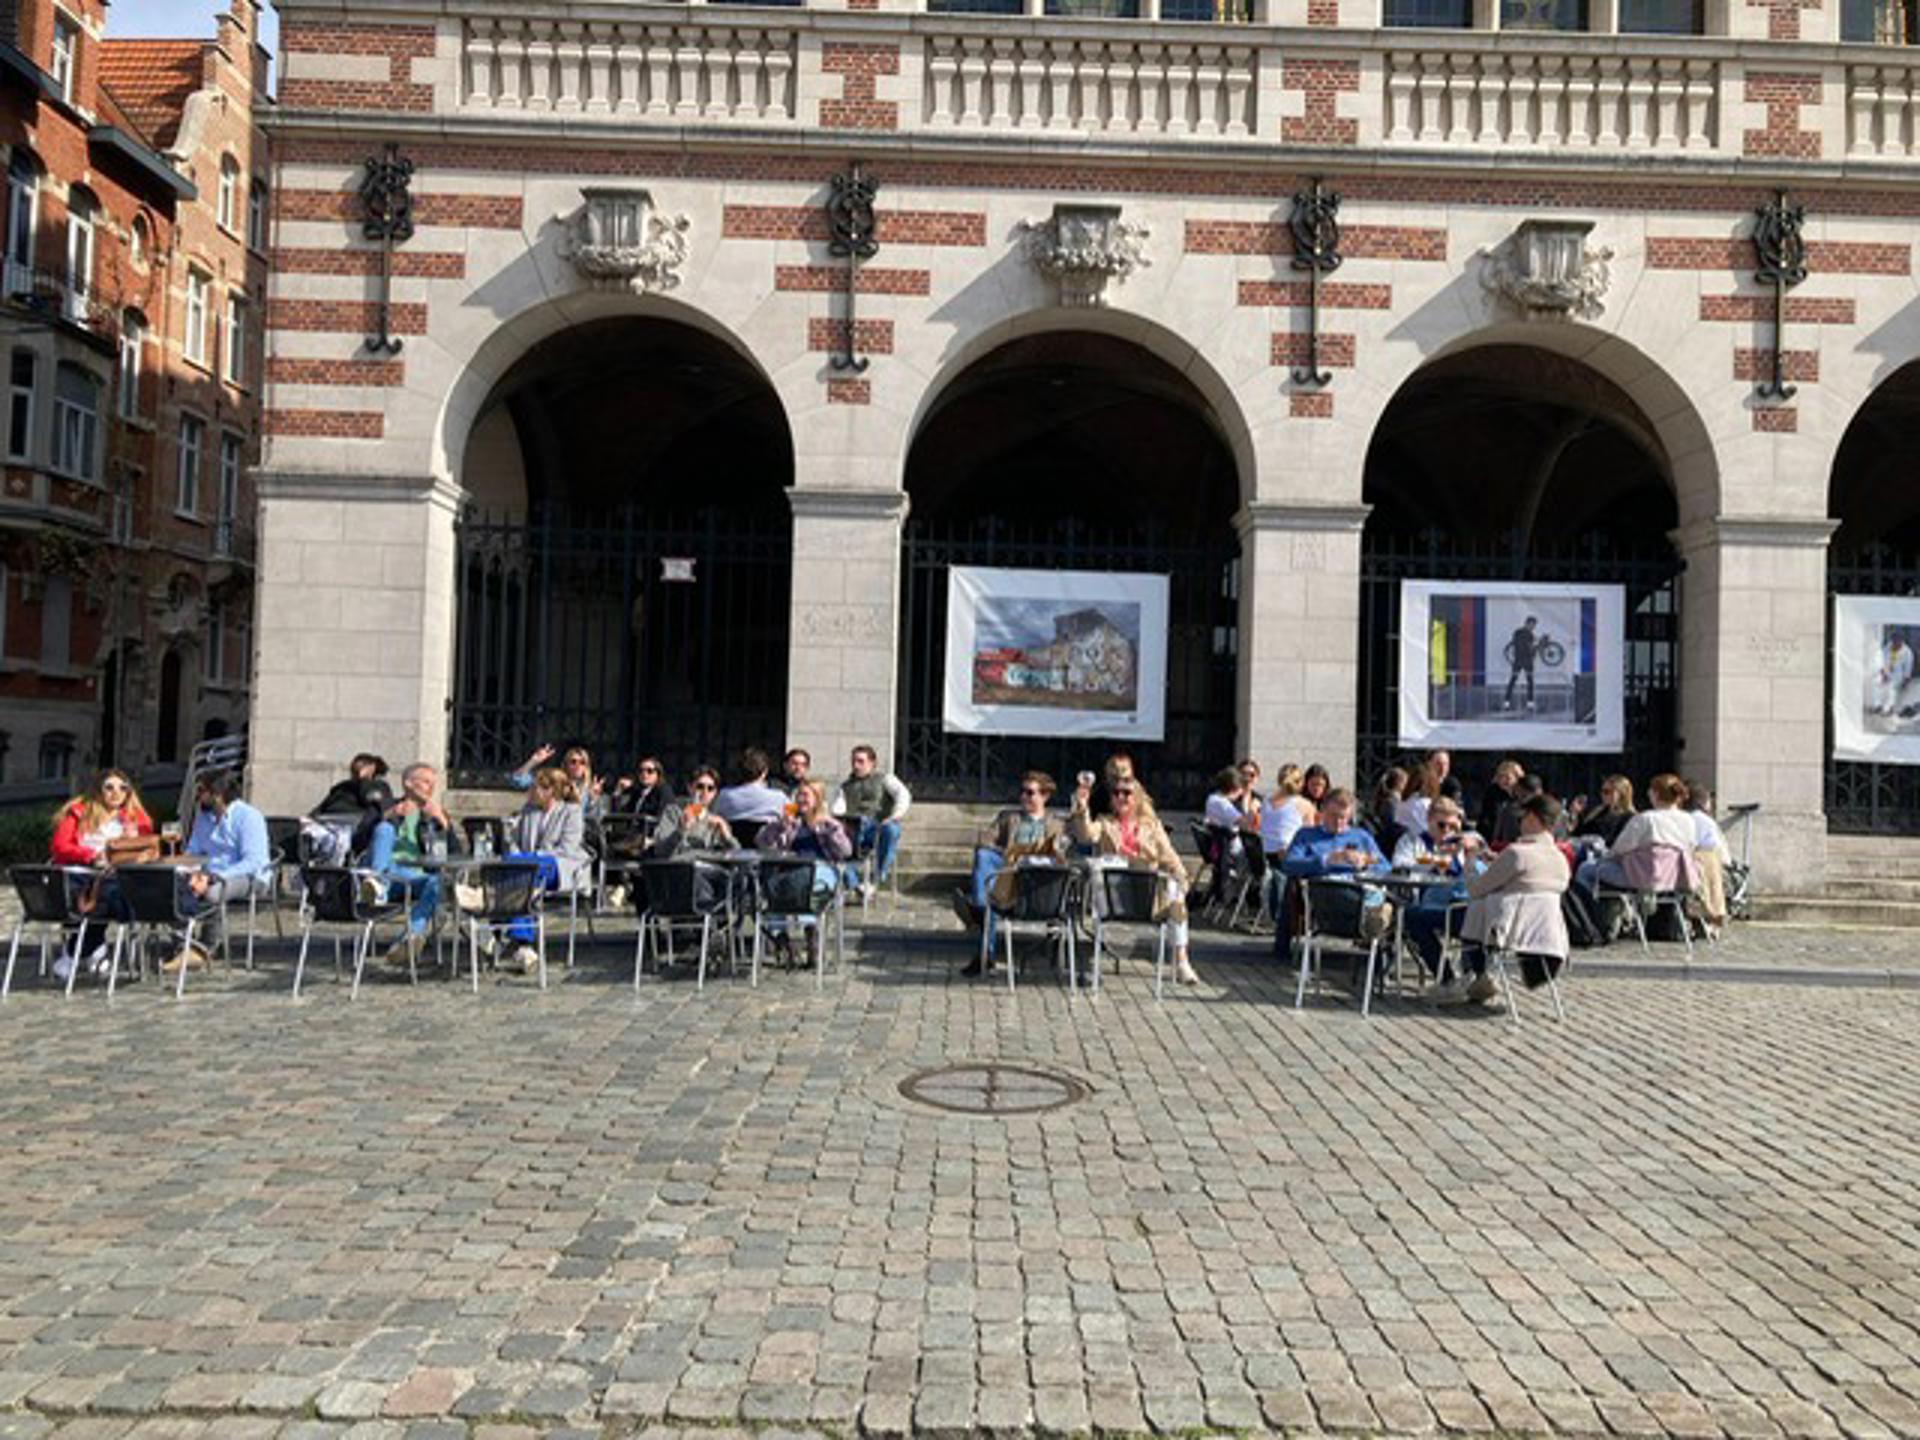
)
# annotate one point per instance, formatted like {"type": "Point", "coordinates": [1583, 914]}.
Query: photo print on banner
{"type": "Point", "coordinates": [1876, 702]}
{"type": "Point", "coordinates": [1056, 652]}
{"type": "Point", "coordinates": [1489, 665]}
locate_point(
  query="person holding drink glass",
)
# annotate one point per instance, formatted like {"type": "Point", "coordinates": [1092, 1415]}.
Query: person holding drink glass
{"type": "Point", "coordinates": [1444, 850]}
{"type": "Point", "coordinates": [95, 830]}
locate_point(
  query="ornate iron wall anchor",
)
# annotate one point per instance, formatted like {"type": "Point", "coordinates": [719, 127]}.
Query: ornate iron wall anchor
{"type": "Point", "coordinates": [1316, 250]}
{"type": "Point", "coordinates": [387, 205]}
{"type": "Point", "coordinates": [1781, 250]}
{"type": "Point", "coordinates": [850, 232]}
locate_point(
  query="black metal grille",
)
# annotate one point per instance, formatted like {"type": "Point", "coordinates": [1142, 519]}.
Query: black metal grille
{"type": "Point", "coordinates": [1864, 797]}
{"type": "Point", "coordinates": [569, 633]}
{"type": "Point", "coordinates": [1202, 656]}
{"type": "Point", "coordinates": [1650, 572]}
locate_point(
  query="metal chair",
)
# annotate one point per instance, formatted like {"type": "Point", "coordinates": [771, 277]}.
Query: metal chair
{"type": "Point", "coordinates": [49, 900]}
{"type": "Point", "coordinates": [691, 891]}
{"type": "Point", "coordinates": [472, 827]}
{"type": "Point", "coordinates": [787, 888]}
{"type": "Point", "coordinates": [1124, 895]}
{"type": "Point", "coordinates": [1043, 895]}
{"type": "Point", "coordinates": [864, 856]}
{"type": "Point", "coordinates": [510, 890]}
{"type": "Point", "coordinates": [333, 896]}
{"type": "Point", "coordinates": [153, 896]}
{"type": "Point", "coordinates": [1549, 965]}
{"type": "Point", "coordinates": [1312, 938]}
{"type": "Point", "coordinates": [617, 858]}
{"type": "Point", "coordinates": [1639, 902]}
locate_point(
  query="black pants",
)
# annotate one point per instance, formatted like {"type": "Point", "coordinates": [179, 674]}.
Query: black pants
{"type": "Point", "coordinates": [1514, 679]}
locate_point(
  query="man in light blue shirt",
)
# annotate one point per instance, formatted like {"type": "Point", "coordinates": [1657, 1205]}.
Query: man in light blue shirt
{"type": "Point", "coordinates": [230, 838]}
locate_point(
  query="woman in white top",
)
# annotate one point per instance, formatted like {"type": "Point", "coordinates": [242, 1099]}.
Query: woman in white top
{"type": "Point", "coordinates": [1710, 853]}
{"type": "Point", "coordinates": [1422, 786]}
{"type": "Point", "coordinates": [1665, 824]}
{"type": "Point", "coordinates": [1285, 812]}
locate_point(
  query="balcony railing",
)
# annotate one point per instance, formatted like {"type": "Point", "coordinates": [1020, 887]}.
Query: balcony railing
{"type": "Point", "coordinates": [58, 298]}
{"type": "Point", "coordinates": [233, 541]}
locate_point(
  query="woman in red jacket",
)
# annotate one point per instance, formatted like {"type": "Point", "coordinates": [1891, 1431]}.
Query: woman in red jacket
{"type": "Point", "coordinates": [108, 810]}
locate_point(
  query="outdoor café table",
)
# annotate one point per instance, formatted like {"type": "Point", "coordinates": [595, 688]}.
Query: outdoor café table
{"type": "Point", "coordinates": [449, 868]}
{"type": "Point", "coordinates": [1406, 887]}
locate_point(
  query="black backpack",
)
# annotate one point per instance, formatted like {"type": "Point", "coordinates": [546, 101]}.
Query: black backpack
{"type": "Point", "coordinates": [1585, 929]}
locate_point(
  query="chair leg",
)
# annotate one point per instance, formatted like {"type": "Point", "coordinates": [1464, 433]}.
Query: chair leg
{"type": "Point", "coordinates": [1306, 965]}
{"type": "Point", "coordinates": [253, 919]}
{"type": "Point", "coordinates": [13, 954]}
{"type": "Point", "coordinates": [540, 945]}
{"type": "Point", "coordinates": [1498, 960]}
{"type": "Point", "coordinates": [300, 965]}
{"type": "Point", "coordinates": [79, 953]}
{"type": "Point", "coordinates": [186, 962]}
{"type": "Point", "coordinates": [473, 952]}
{"type": "Point", "coordinates": [1639, 925]}
{"type": "Point", "coordinates": [1099, 935]}
{"type": "Point", "coordinates": [1007, 931]}
{"type": "Point", "coordinates": [706, 930]}
{"type": "Point", "coordinates": [1073, 969]}
{"type": "Point", "coordinates": [1366, 995]}
{"type": "Point", "coordinates": [1686, 925]}
{"type": "Point", "coordinates": [362, 943]}
{"type": "Point", "coordinates": [113, 974]}
{"type": "Point", "coordinates": [1553, 989]}
{"type": "Point", "coordinates": [573, 922]}
{"type": "Point", "coordinates": [639, 952]}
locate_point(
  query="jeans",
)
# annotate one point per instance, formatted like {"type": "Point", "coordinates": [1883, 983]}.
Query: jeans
{"type": "Point", "coordinates": [987, 863]}
{"type": "Point", "coordinates": [220, 893]}
{"type": "Point", "coordinates": [882, 837]}
{"type": "Point", "coordinates": [425, 888]}
{"type": "Point", "coordinates": [1427, 929]}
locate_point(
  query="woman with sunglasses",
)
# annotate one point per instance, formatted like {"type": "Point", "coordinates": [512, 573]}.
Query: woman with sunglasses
{"type": "Point", "coordinates": [693, 828]}
{"type": "Point", "coordinates": [108, 810]}
{"type": "Point", "coordinates": [1016, 834]}
{"type": "Point", "coordinates": [644, 793]}
{"type": "Point", "coordinates": [1135, 834]}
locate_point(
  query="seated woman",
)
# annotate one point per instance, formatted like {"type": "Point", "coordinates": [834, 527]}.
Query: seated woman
{"type": "Point", "coordinates": [1383, 809]}
{"type": "Point", "coordinates": [1711, 856]}
{"type": "Point", "coordinates": [1633, 862]}
{"type": "Point", "coordinates": [1025, 831]}
{"type": "Point", "coordinates": [693, 828]}
{"type": "Point", "coordinates": [88, 829]}
{"type": "Point", "coordinates": [1286, 812]}
{"type": "Point", "coordinates": [1605, 821]}
{"type": "Point", "coordinates": [1420, 789]}
{"type": "Point", "coordinates": [808, 829]}
{"type": "Point", "coordinates": [1515, 906]}
{"type": "Point", "coordinates": [1233, 817]}
{"type": "Point", "coordinates": [1442, 849]}
{"type": "Point", "coordinates": [551, 831]}
{"type": "Point", "coordinates": [1134, 834]}
{"type": "Point", "coordinates": [411, 832]}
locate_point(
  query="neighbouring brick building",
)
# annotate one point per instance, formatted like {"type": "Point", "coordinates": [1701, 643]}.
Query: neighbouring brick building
{"type": "Point", "coordinates": [135, 271]}
{"type": "Point", "coordinates": [638, 454]}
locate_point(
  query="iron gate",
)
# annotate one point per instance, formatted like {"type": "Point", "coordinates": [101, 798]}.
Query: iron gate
{"type": "Point", "coordinates": [1864, 797]}
{"type": "Point", "coordinates": [1202, 656]}
{"type": "Point", "coordinates": [572, 630]}
{"type": "Point", "coordinates": [1650, 572]}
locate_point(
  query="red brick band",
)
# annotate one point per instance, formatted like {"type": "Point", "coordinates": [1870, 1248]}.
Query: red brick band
{"type": "Point", "coordinates": [1802, 366]}
{"type": "Point", "coordinates": [327, 424]}
{"type": "Point", "coordinates": [413, 264]}
{"type": "Point", "coordinates": [1824, 257]}
{"type": "Point", "coordinates": [1310, 404]}
{"type": "Point", "coordinates": [1290, 348]}
{"type": "Point", "coordinates": [894, 227]}
{"type": "Point", "coordinates": [291, 370]}
{"type": "Point", "coordinates": [829, 334]}
{"type": "Point", "coordinates": [1273, 237]}
{"type": "Point", "coordinates": [869, 280]}
{"type": "Point", "coordinates": [1776, 419]}
{"type": "Point", "coordinates": [1801, 309]}
{"type": "Point", "coordinates": [1334, 294]}
{"type": "Point", "coordinates": [849, 392]}
{"type": "Point", "coordinates": [475, 212]}
{"type": "Point", "coordinates": [344, 317]}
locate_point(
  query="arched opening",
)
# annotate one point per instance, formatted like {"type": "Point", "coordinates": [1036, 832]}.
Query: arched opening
{"type": "Point", "coordinates": [1071, 450]}
{"type": "Point", "coordinates": [1876, 552]}
{"type": "Point", "coordinates": [624, 562]}
{"type": "Point", "coordinates": [1509, 462]}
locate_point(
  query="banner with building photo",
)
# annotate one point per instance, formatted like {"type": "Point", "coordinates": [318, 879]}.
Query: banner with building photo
{"type": "Point", "coordinates": [1056, 652]}
{"type": "Point", "coordinates": [1492, 665]}
{"type": "Point", "coordinates": [1876, 700]}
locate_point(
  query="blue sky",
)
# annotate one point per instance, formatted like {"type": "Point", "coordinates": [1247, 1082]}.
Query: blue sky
{"type": "Point", "coordinates": [177, 19]}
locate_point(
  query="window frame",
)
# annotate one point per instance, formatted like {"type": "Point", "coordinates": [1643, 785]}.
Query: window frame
{"type": "Point", "coordinates": [193, 340]}
{"type": "Point", "coordinates": [24, 175]}
{"type": "Point", "coordinates": [64, 54]}
{"type": "Point", "coordinates": [87, 426]}
{"type": "Point", "coordinates": [83, 249]}
{"type": "Point", "coordinates": [20, 437]}
{"type": "Point", "coordinates": [65, 745]}
{"type": "Point", "coordinates": [227, 196]}
{"type": "Point", "coordinates": [257, 193]}
{"type": "Point", "coordinates": [229, 462]}
{"type": "Point", "coordinates": [234, 361]}
{"type": "Point", "coordinates": [186, 479]}
{"type": "Point", "coordinates": [132, 367]}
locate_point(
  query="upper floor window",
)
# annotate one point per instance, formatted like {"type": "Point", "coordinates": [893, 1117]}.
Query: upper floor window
{"type": "Point", "coordinates": [1543, 14]}
{"type": "Point", "coordinates": [1880, 22]}
{"type": "Point", "coordinates": [1428, 14]}
{"type": "Point", "coordinates": [56, 622]}
{"type": "Point", "coordinates": [196, 337]}
{"type": "Point", "coordinates": [133, 343]}
{"type": "Point", "coordinates": [56, 755]}
{"type": "Point", "coordinates": [227, 201]}
{"type": "Point", "coordinates": [139, 243]}
{"type": "Point", "coordinates": [193, 439]}
{"type": "Point", "coordinates": [66, 55]}
{"type": "Point", "coordinates": [23, 211]}
{"type": "Point", "coordinates": [1663, 17]}
{"type": "Point", "coordinates": [237, 339]}
{"type": "Point", "coordinates": [257, 213]}
{"type": "Point", "coordinates": [20, 406]}
{"type": "Point", "coordinates": [76, 421]}
{"type": "Point", "coordinates": [83, 213]}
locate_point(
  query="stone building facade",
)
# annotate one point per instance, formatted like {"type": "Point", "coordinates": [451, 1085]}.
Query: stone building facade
{"type": "Point", "coordinates": [1086, 239]}
{"type": "Point", "coordinates": [125, 592]}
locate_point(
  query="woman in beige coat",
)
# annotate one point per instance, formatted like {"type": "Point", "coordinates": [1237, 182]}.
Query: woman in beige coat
{"type": "Point", "coordinates": [1136, 834]}
{"type": "Point", "coordinates": [1514, 904]}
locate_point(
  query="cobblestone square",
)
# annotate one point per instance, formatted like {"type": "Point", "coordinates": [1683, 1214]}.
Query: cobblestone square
{"type": "Point", "coordinates": [1690, 1210]}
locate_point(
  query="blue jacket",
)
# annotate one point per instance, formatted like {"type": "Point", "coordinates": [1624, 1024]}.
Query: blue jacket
{"type": "Point", "coordinates": [1307, 856]}
{"type": "Point", "coordinates": [233, 844]}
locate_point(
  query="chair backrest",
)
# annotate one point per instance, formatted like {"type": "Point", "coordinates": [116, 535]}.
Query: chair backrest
{"type": "Point", "coordinates": [1127, 895]}
{"type": "Point", "coordinates": [1206, 840]}
{"type": "Point", "coordinates": [681, 889]}
{"type": "Point", "coordinates": [151, 892]}
{"type": "Point", "coordinates": [1330, 907]}
{"type": "Point", "coordinates": [620, 833]}
{"type": "Point", "coordinates": [492, 826]}
{"type": "Point", "coordinates": [283, 838]}
{"type": "Point", "coordinates": [1041, 892]}
{"type": "Point", "coordinates": [793, 886]}
{"type": "Point", "coordinates": [44, 893]}
{"type": "Point", "coordinates": [1662, 869]}
{"type": "Point", "coordinates": [746, 831]}
{"type": "Point", "coordinates": [330, 891]}
{"type": "Point", "coordinates": [509, 889]}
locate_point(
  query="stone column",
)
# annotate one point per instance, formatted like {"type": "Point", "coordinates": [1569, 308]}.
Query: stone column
{"type": "Point", "coordinates": [844, 637]}
{"type": "Point", "coordinates": [1753, 682]}
{"type": "Point", "coordinates": [1299, 633]}
{"type": "Point", "coordinates": [354, 627]}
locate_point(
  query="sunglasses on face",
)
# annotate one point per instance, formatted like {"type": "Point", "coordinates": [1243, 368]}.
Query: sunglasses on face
{"type": "Point", "coordinates": [1123, 790]}
{"type": "Point", "coordinates": [649, 769]}
{"type": "Point", "coordinates": [706, 785]}
{"type": "Point", "coordinates": [1031, 790]}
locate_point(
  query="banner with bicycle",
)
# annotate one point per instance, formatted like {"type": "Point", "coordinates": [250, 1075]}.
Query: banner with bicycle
{"type": "Point", "coordinates": [1489, 665]}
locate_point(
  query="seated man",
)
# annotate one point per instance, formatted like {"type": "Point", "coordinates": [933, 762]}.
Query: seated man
{"type": "Point", "coordinates": [873, 805]}
{"type": "Point", "coordinates": [750, 801]}
{"type": "Point", "coordinates": [1443, 849]}
{"type": "Point", "coordinates": [795, 766]}
{"type": "Point", "coordinates": [1015, 834]}
{"type": "Point", "coordinates": [411, 831]}
{"type": "Point", "coordinates": [1334, 846]}
{"type": "Point", "coordinates": [362, 798]}
{"type": "Point", "coordinates": [230, 836]}
{"type": "Point", "coordinates": [1515, 906]}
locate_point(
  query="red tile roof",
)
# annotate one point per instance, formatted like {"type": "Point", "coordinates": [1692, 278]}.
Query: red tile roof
{"type": "Point", "coordinates": [150, 81]}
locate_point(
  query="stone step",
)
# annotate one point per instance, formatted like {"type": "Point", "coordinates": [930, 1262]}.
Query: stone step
{"type": "Point", "coordinates": [1874, 887]}
{"type": "Point", "coordinates": [1826, 910]}
{"type": "Point", "coordinates": [1864, 865]}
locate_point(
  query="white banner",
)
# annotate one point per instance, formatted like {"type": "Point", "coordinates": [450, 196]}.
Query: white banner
{"type": "Point", "coordinates": [1490, 665]}
{"type": "Point", "coordinates": [1056, 652]}
{"type": "Point", "coordinates": [1876, 704]}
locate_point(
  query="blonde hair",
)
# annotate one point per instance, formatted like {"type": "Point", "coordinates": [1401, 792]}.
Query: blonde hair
{"type": "Point", "coordinates": [557, 783]}
{"type": "Point", "coordinates": [94, 810]}
{"type": "Point", "coordinates": [1443, 806]}
{"type": "Point", "coordinates": [1289, 780]}
{"type": "Point", "coordinates": [1622, 794]}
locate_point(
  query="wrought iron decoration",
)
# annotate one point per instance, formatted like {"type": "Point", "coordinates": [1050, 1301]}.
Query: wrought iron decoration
{"type": "Point", "coordinates": [850, 232]}
{"type": "Point", "coordinates": [1316, 250]}
{"type": "Point", "coordinates": [1781, 250]}
{"type": "Point", "coordinates": [387, 209]}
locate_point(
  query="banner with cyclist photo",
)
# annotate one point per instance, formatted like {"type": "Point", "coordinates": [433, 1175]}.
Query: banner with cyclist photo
{"type": "Point", "coordinates": [1876, 691]}
{"type": "Point", "coordinates": [1490, 665]}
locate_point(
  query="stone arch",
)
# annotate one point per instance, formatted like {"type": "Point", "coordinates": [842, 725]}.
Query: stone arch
{"type": "Point", "coordinates": [1226, 409]}
{"type": "Point", "coordinates": [514, 338]}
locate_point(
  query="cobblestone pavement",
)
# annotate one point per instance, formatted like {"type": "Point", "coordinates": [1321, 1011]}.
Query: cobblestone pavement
{"type": "Point", "coordinates": [1690, 1210]}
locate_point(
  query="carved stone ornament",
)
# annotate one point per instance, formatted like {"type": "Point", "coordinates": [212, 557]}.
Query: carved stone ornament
{"type": "Point", "coordinates": [1082, 247]}
{"type": "Point", "coordinates": [615, 238]}
{"type": "Point", "coordinates": [1546, 269]}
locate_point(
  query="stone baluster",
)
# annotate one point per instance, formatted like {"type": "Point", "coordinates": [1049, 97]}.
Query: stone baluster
{"type": "Point", "coordinates": [511, 52]}
{"type": "Point", "coordinates": [570, 61]}
{"type": "Point", "coordinates": [973, 82]}
{"type": "Point", "coordinates": [719, 46]}
{"type": "Point", "coordinates": [1239, 77]}
{"type": "Point", "coordinates": [1581, 76]}
{"type": "Point", "coordinates": [1639, 103]}
{"type": "Point", "coordinates": [1153, 77]}
{"type": "Point", "coordinates": [1673, 85]}
{"type": "Point", "coordinates": [540, 70]}
{"type": "Point", "coordinates": [1863, 110]}
{"type": "Point", "coordinates": [1552, 90]}
{"type": "Point", "coordinates": [1060, 87]}
{"type": "Point", "coordinates": [599, 69]}
{"type": "Point", "coordinates": [1460, 99]}
{"type": "Point", "coordinates": [686, 66]}
{"type": "Point", "coordinates": [779, 75]}
{"type": "Point", "coordinates": [1520, 88]}
{"type": "Point", "coordinates": [478, 77]}
{"type": "Point", "coordinates": [1001, 69]}
{"type": "Point", "coordinates": [1121, 69]}
{"type": "Point", "coordinates": [1402, 72]}
{"type": "Point", "coordinates": [1489, 88]}
{"type": "Point", "coordinates": [1206, 92]}
{"type": "Point", "coordinates": [1032, 69]}
{"type": "Point", "coordinates": [750, 72]}
{"type": "Point", "coordinates": [1607, 98]}
{"type": "Point", "coordinates": [1431, 94]}
{"type": "Point", "coordinates": [1703, 81]}
{"type": "Point", "coordinates": [1899, 136]}
{"type": "Point", "coordinates": [943, 65]}
{"type": "Point", "coordinates": [1179, 89]}
{"type": "Point", "coordinates": [659, 48]}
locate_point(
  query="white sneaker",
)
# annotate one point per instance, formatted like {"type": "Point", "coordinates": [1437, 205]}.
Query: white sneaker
{"type": "Point", "coordinates": [372, 891]}
{"type": "Point", "coordinates": [866, 893]}
{"type": "Point", "coordinates": [63, 967]}
{"type": "Point", "coordinates": [1453, 992]}
{"type": "Point", "coordinates": [1183, 973]}
{"type": "Point", "coordinates": [527, 958]}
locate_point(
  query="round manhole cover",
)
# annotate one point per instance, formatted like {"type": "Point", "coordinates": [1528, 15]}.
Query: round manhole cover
{"type": "Point", "coordinates": [993, 1089]}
